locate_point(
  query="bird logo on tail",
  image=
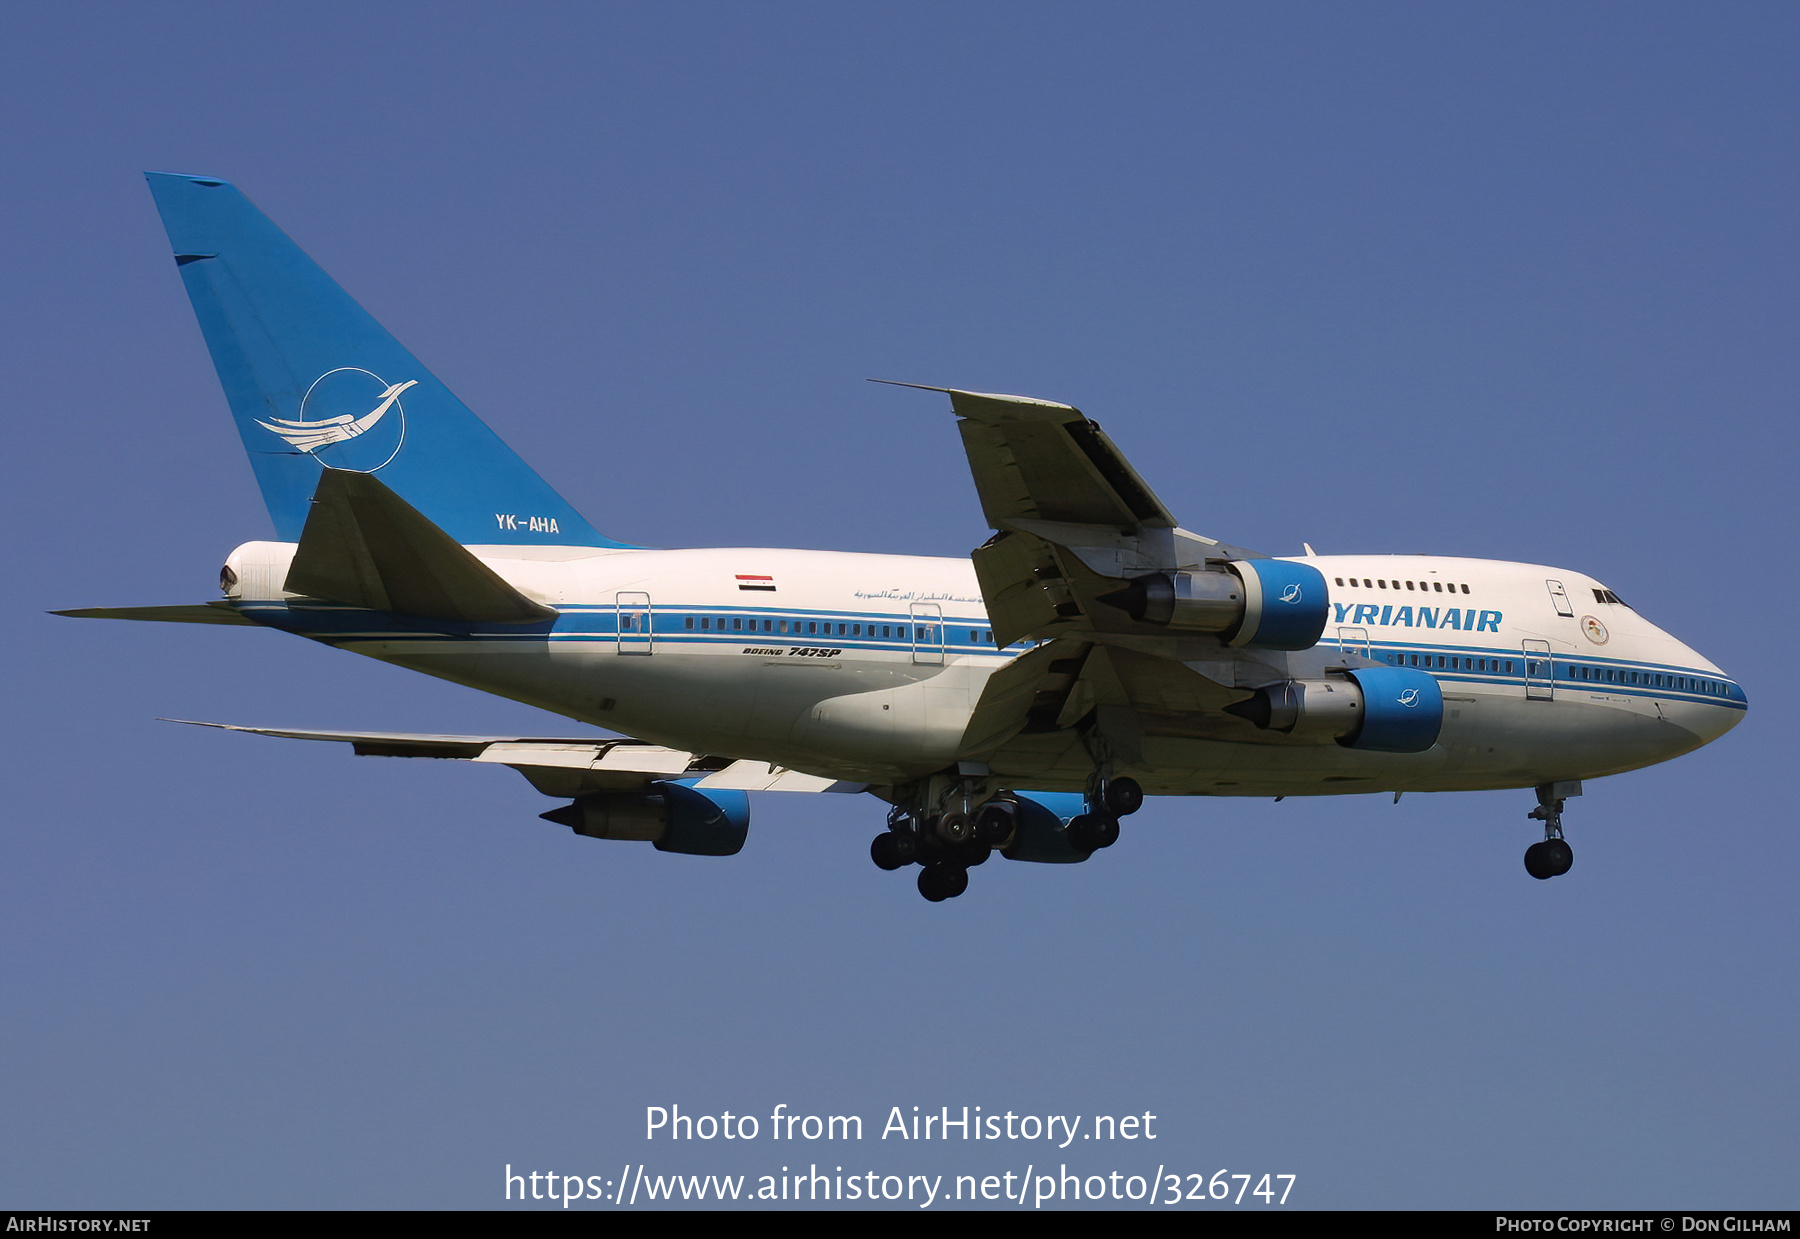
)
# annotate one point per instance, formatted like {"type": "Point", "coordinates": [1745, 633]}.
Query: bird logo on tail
{"type": "Point", "coordinates": [313, 436]}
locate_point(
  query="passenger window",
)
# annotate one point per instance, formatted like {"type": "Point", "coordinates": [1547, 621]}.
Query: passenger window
{"type": "Point", "coordinates": [884, 630]}
{"type": "Point", "coordinates": [856, 629]}
{"type": "Point", "coordinates": [1465, 589]}
{"type": "Point", "coordinates": [1381, 584]}
{"type": "Point", "coordinates": [1339, 580]}
{"type": "Point", "coordinates": [1438, 586]}
{"type": "Point", "coordinates": [1409, 585]}
{"type": "Point", "coordinates": [690, 621]}
{"type": "Point", "coordinates": [1440, 662]}
{"type": "Point", "coordinates": [812, 626]}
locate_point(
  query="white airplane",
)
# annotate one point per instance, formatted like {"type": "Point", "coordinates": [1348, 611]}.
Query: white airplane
{"type": "Point", "coordinates": [1022, 701]}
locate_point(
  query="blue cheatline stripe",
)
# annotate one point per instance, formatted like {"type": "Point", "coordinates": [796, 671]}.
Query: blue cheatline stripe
{"type": "Point", "coordinates": [1731, 695]}
{"type": "Point", "coordinates": [598, 623]}
{"type": "Point", "coordinates": [601, 624]}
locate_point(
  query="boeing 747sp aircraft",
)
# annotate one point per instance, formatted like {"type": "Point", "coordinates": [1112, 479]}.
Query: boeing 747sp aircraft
{"type": "Point", "coordinates": [1022, 701]}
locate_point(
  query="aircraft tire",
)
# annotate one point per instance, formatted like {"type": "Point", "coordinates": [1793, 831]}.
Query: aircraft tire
{"type": "Point", "coordinates": [1090, 832]}
{"type": "Point", "coordinates": [955, 828]}
{"type": "Point", "coordinates": [1558, 855]}
{"type": "Point", "coordinates": [993, 824]}
{"type": "Point", "coordinates": [1537, 863]}
{"type": "Point", "coordinates": [973, 853]}
{"type": "Point", "coordinates": [943, 880]}
{"type": "Point", "coordinates": [1123, 797]}
{"type": "Point", "coordinates": [891, 851]}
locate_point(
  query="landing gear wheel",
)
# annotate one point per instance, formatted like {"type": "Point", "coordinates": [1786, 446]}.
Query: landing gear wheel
{"type": "Point", "coordinates": [994, 823]}
{"type": "Point", "coordinates": [1090, 832]}
{"type": "Point", "coordinates": [893, 850]}
{"type": "Point", "coordinates": [1535, 864]}
{"type": "Point", "coordinates": [943, 880]}
{"type": "Point", "coordinates": [1123, 797]}
{"type": "Point", "coordinates": [955, 828]}
{"type": "Point", "coordinates": [973, 853]}
{"type": "Point", "coordinates": [1550, 859]}
{"type": "Point", "coordinates": [1559, 855]}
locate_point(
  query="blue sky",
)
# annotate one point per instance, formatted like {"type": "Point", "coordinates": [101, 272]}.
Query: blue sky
{"type": "Point", "coordinates": [1508, 281]}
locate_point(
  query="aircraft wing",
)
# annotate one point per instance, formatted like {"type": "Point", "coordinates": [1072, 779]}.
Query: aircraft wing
{"type": "Point", "coordinates": [1073, 519]}
{"type": "Point", "coordinates": [570, 767]}
{"type": "Point", "coordinates": [1075, 525]}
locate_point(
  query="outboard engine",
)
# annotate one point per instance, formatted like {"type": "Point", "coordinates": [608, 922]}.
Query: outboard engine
{"type": "Point", "coordinates": [672, 816]}
{"type": "Point", "coordinates": [1267, 604]}
{"type": "Point", "coordinates": [1381, 709]}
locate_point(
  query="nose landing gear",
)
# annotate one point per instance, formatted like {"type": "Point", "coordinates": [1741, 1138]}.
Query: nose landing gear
{"type": "Point", "coordinates": [1552, 857]}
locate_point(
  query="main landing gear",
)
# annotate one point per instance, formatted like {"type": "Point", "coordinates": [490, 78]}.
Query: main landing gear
{"type": "Point", "coordinates": [948, 844]}
{"type": "Point", "coordinates": [1553, 857]}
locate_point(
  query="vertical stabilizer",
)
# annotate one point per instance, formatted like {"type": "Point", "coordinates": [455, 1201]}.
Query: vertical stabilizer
{"type": "Point", "coordinates": [315, 383]}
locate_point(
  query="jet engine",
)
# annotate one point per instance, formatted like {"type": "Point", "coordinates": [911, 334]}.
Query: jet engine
{"type": "Point", "coordinates": [1269, 604]}
{"type": "Point", "coordinates": [673, 817]}
{"type": "Point", "coordinates": [1381, 709]}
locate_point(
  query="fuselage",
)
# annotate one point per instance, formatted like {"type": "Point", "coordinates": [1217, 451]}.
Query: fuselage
{"type": "Point", "coordinates": [868, 667]}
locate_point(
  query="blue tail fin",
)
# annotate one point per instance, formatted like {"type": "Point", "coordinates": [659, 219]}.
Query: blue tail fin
{"type": "Point", "coordinates": [315, 383]}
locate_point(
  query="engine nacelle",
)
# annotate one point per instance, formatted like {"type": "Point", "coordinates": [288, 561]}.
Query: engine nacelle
{"type": "Point", "coordinates": [1381, 709]}
{"type": "Point", "coordinates": [673, 817]}
{"type": "Point", "coordinates": [1041, 827]}
{"type": "Point", "coordinates": [1269, 604]}
{"type": "Point", "coordinates": [1403, 710]}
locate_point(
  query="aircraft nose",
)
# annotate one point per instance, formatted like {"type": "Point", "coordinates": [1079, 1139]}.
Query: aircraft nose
{"type": "Point", "coordinates": [1709, 720]}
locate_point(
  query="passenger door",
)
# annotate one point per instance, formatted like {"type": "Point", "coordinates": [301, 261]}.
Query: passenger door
{"type": "Point", "coordinates": [635, 621]}
{"type": "Point", "coordinates": [928, 633]}
{"type": "Point", "coordinates": [1540, 671]}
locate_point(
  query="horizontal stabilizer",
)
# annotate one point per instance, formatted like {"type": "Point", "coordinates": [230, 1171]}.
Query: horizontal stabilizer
{"type": "Point", "coordinates": [195, 613]}
{"type": "Point", "coordinates": [365, 546]}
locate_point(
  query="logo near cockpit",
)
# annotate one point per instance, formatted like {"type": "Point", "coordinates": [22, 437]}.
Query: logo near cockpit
{"type": "Point", "coordinates": [340, 423]}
